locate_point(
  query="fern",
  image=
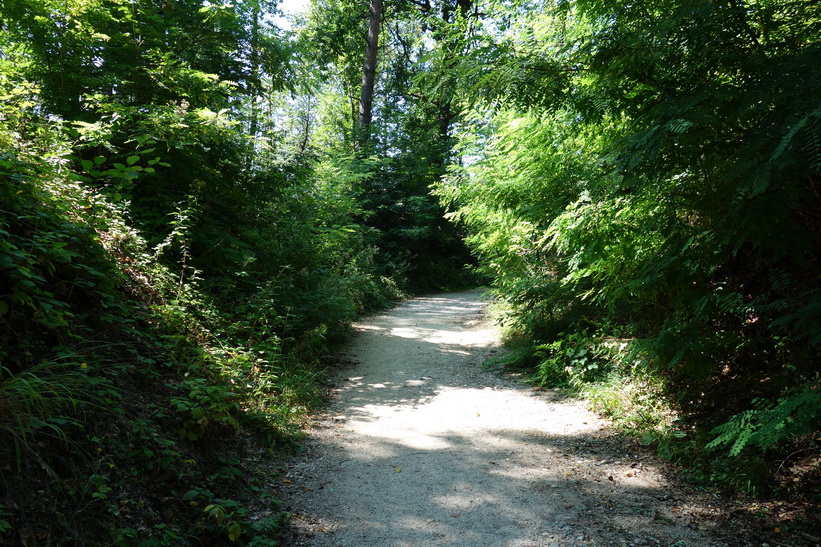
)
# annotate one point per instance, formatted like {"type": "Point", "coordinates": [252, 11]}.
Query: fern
{"type": "Point", "coordinates": [679, 125]}
{"type": "Point", "coordinates": [814, 140]}
{"type": "Point", "coordinates": [810, 140]}
{"type": "Point", "coordinates": [780, 280]}
{"type": "Point", "coordinates": [769, 424]}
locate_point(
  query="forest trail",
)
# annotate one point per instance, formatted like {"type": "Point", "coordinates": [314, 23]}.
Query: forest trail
{"type": "Point", "coordinates": [420, 446]}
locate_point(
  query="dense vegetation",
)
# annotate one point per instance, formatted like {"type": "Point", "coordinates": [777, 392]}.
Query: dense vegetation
{"type": "Point", "coordinates": [642, 182]}
{"type": "Point", "coordinates": [195, 204]}
{"type": "Point", "coordinates": [187, 230]}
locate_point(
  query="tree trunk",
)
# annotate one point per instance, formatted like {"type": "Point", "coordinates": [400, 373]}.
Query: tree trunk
{"type": "Point", "coordinates": [363, 124]}
{"type": "Point", "coordinates": [255, 87]}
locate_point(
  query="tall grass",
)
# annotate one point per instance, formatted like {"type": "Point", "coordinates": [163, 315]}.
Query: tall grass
{"type": "Point", "coordinates": [42, 401]}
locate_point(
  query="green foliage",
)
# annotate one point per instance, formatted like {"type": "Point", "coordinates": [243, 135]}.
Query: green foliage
{"type": "Point", "coordinates": [47, 399]}
{"type": "Point", "coordinates": [768, 424]}
{"type": "Point", "coordinates": [205, 406]}
{"type": "Point", "coordinates": [650, 172]}
{"type": "Point", "coordinates": [4, 524]}
{"type": "Point", "coordinates": [48, 260]}
{"type": "Point", "coordinates": [411, 141]}
{"type": "Point", "coordinates": [171, 282]}
{"type": "Point", "coordinates": [183, 241]}
{"type": "Point", "coordinates": [571, 360]}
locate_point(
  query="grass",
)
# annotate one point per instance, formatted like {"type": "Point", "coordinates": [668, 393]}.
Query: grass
{"type": "Point", "coordinates": [43, 401]}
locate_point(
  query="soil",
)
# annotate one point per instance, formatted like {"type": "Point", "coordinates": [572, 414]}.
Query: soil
{"type": "Point", "coordinates": [422, 446]}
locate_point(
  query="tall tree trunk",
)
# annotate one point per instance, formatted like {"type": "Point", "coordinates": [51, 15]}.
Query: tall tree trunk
{"type": "Point", "coordinates": [363, 124]}
{"type": "Point", "coordinates": [255, 86]}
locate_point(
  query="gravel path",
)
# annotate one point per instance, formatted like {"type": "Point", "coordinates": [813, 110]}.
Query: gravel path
{"type": "Point", "coordinates": [422, 447]}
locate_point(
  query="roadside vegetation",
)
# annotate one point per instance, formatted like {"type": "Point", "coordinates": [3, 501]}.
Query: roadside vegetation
{"type": "Point", "coordinates": [647, 204]}
{"type": "Point", "coordinates": [180, 256]}
{"type": "Point", "coordinates": [195, 203]}
{"type": "Point", "coordinates": [143, 388]}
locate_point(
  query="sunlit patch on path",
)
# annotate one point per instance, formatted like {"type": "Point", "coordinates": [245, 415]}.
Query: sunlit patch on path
{"type": "Point", "coordinates": [421, 447]}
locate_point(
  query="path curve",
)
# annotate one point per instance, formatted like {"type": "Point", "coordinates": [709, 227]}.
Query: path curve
{"type": "Point", "coordinates": [421, 447]}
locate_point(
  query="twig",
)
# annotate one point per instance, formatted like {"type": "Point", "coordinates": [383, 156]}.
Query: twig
{"type": "Point", "coordinates": [785, 460]}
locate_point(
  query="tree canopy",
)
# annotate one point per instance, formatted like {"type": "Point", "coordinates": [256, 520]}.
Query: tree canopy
{"type": "Point", "coordinates": [648, 172]}
{"type": "Point", "coordinates": [195, 204]}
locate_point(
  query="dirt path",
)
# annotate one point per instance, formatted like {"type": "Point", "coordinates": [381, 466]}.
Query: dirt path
{"type": "Point", "coordinates": [421, 447]}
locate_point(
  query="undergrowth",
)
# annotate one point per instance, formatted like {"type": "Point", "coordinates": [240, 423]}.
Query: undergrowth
{"type": "Point", "coordinates": [755, 453]}
{"type": "Point", "coordinates": [137, 426]}
{"type": "Point", "coordinates": [143, 401]}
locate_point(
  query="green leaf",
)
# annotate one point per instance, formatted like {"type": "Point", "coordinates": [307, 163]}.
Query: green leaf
{"type": "Point", "coordinates": [234, 531]}
{"type": "Point", "coordinates": [191, 494]}
{"type": "Point", "coordinates": [131, 160]}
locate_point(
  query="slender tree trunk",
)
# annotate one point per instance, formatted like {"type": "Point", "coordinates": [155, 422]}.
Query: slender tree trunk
{"type": "Point", "coordinates": [363, 124]}
{"type": "Point", "coordinates": [255, 86]}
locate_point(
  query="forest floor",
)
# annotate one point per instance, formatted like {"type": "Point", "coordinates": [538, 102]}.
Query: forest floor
{"type": "Point", "coordinates": [422, 446]}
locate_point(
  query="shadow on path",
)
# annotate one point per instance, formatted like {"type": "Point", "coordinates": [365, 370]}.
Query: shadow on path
{"type": "Point", "coordinates": [421, 447]}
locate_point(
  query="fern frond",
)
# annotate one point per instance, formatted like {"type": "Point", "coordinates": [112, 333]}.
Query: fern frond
{"type": "Point", "coordinates": [814, 141]}
{"type": "Point", "coordinates": [679, 125]}
{"type": "Point", "coordinates": [806, 139]}
{"type": "Point", "coordinates": [768, 425]}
